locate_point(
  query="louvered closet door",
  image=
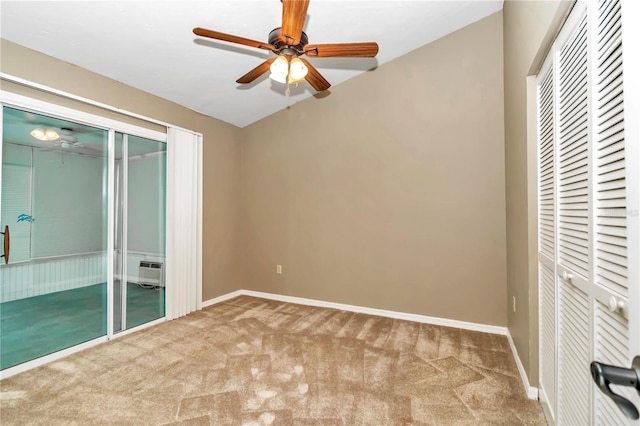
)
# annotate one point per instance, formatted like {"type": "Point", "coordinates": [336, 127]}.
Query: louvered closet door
{"type": "Point", "coordinates": [574, 223]}
{"type": "Point", "coordinates": [547, 236]}
{"type": "Point", "coordinates": [611, 284]}
{"type": "Point", "coordinates": [588, 303]}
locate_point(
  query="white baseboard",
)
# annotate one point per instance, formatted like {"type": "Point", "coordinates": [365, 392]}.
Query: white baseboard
{"type": "Point", "coordinates": [493, 329]}
{"type": "Point", "coordinates": [222, 298]}
{"type": "Point", "coordinates": [532, 392]}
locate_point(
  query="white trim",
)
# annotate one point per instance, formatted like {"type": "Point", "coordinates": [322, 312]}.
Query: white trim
{"type": "Point", "coordinates": [111, 220]}
{"type": "Point", "coordinates": [532, 392]}
{"type": "Point", "coordinates": [58, 111]}
{"type": "Point", "coordinates": [485, 328]}
{"type": "Point", "coordinates": [124, 229]}
{"type": "Point", "coordinates": [139, 327]}
{"type": "Point", "coordinates": [61, 93]}
{"type": "Point", "coordinates": [25, 366]}
{"type": "Point", "coordinates": [222, 298]}
{"type": "Point", "coordinates": [493, 329]}
{"type": "Point", "coordinates": [62, 256]}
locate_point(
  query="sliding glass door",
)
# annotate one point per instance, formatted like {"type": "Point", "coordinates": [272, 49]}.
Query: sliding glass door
{"type": "Point", "coordinates": [84, 211]}
{"type": "Point", "coordinates": [139, 232]}
{"type": "Point", "coordinates": [53, 207]}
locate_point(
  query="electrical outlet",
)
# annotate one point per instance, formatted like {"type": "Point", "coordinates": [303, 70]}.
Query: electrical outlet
{"type": "Point", "coordinates": [279, 269]}
{"type": "Point", "coordinates": [514, 303]}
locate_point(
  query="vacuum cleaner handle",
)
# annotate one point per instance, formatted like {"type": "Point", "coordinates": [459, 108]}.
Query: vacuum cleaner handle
{"type": "Point", "coordinates": [605, 375]}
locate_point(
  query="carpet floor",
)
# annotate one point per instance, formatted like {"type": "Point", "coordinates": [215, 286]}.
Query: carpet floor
{"type": "Point", "coordinates": [250, 361]}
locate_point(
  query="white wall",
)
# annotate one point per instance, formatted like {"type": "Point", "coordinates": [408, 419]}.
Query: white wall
{"type": "Point", "coordinates": [28, 279]}
{"type": "Point", "coordinates": [146, 217]}
{"type": "Point", "coordinates": [69, 204]}
{"type": "Point", "coordinates": [68, 234]}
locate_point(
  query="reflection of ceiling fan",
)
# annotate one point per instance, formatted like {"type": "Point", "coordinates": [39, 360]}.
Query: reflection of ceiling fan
{"type": "Point", "coordinates": [289, 42]}
{"type": "Point", "coordinates": [67, 139]}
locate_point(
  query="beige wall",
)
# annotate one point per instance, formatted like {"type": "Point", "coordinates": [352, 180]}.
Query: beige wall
{"type": "Point", "coordinates": [389, 192]}
{"type": "Point", "coordinates": [529, 29]}
{"type": "Point", "coordinates": [220, 196]}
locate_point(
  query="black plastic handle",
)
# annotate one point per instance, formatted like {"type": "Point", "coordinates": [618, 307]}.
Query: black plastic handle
{"type": "Point", "coordinates": [604, 375]}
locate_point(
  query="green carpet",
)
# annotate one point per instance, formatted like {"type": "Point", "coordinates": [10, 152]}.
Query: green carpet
{"type": "Point", "coordinates": [40, 325]}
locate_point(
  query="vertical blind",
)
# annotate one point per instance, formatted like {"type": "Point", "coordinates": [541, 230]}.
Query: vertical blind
{"type": "Point", "coordinates": [183, 212]}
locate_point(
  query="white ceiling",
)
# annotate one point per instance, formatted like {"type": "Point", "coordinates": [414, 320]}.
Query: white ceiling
{"type": "Point", "coordinates": [150, 45]}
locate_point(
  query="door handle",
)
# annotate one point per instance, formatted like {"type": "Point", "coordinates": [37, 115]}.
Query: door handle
{"type": "Point", "coordinates": [605, 375]}
{"type": "Point", "coordinates": [616, 304]}
{"type": "Point", "coordinates": [7, 244]}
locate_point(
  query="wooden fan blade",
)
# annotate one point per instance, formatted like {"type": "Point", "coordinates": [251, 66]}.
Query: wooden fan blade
{"type": "Point", "coordinates": [294, 13]}
{"type": "Point", "coordinates": [231, 38]}
{"type": "Point", "coordinates": [315, 79]}
{"type": "Point", "coordinates": [256, 72]}
{"type": "Point", "coordinates": [352, 50]}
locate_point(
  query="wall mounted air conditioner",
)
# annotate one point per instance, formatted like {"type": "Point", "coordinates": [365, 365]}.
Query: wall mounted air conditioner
{"type": "Point", "coordinates": [151, 274]}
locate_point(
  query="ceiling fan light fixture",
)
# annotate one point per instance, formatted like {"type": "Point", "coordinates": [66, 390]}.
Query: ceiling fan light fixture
{"type": "Point", "coordinates": [51, 134]}
{"type": "Point", "coordinates": [297, 70]}
{"type": "Point", "coordinates": [44, 135]}
{"type": "Point", "coordinates": [280, 69]}
{"type": "Point", "coordinates": [38, 133]}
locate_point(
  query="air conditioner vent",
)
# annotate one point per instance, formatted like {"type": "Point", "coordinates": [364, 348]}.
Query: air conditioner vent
{"type": "Point", "coordinates": [151, 274]}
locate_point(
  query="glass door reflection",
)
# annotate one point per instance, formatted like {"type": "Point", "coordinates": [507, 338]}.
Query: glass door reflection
{"type": "Point", "coordinates": [139, 279]}
{"type": "Point", "coordinates": [54, 200]}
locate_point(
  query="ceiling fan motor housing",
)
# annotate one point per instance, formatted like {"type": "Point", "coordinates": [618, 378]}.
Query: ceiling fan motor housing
{"type": "Point", "coordinates": [282, 48]}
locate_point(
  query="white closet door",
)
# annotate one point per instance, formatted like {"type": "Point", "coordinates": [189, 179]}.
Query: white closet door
{"type": "Point", "coordinates": [574, 224]}
{"type": "Point", "coordinates": [611, 284]}
{"type": "Point", "coordinates": [547, 236]}
{"type": "Point", "coordinates": [631, 70]}
{"type": "Point", "coordinates": [596, 238]}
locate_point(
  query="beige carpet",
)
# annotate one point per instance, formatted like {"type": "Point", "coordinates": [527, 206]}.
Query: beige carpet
{"type": "Point", "coordinates": [252, 361]}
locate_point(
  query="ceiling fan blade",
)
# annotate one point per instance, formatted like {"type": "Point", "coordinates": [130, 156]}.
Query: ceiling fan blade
{"type": "Point", "coordinates": [294, 13]}
{"type": "Point", "coordinates": [352, 50]}
{"type": "Point", "coordinates": [256, 72]}
{"type": "Point", "coordinates": [231, 38]}
{"type": "Point", "coordinates": [314, 78]}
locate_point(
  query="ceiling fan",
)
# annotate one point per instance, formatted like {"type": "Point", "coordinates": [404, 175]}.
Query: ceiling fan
{"type": "Point", "coordinates": [67, 139]}
{"type": "Point", "coordinates": [64, 137]}
{"type": "Point", "coordinates": [289, 42]}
